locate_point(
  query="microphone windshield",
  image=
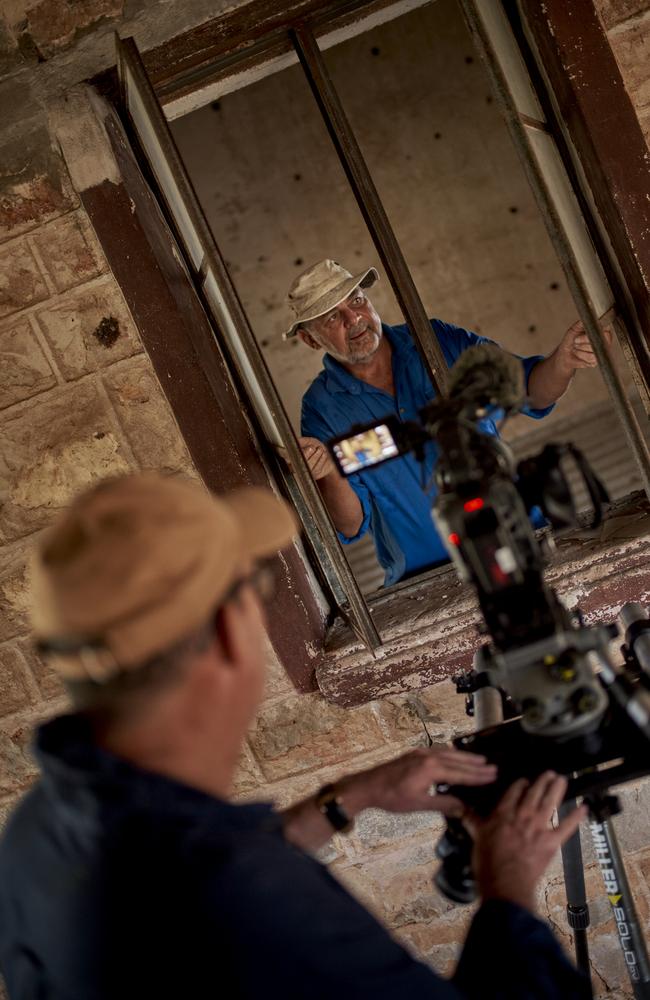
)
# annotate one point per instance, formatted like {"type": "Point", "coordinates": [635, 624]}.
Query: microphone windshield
{"type": "Point", "coordinates": [486, 375]}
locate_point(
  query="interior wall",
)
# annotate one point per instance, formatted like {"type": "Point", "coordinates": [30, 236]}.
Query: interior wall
{"type": "Point", "coordinates": [420, 103]}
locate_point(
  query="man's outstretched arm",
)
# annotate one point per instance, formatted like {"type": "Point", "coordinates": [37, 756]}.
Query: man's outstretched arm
{"type": "Point", "coordinates": [406, 784]}
{"type": "Point", "coordinates": [551, 377]}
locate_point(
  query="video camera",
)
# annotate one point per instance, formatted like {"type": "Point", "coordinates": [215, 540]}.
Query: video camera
{"type": "Point", "coordinates": [569, 706]}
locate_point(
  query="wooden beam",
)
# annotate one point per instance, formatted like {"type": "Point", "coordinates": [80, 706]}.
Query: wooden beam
{"type": "Point", "coordinates": [251, 34]}
{"type": "Point", "coordinates": [179, 340]}
{"type": "Point", "coordinates": [605, 129]}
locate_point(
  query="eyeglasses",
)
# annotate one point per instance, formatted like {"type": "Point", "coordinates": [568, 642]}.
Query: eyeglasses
{"type": "Point", "coordinates": [263, 580]}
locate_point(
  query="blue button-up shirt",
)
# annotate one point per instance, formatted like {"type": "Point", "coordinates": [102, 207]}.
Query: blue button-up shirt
{"type": "Point", "coordinates": [396, 498]}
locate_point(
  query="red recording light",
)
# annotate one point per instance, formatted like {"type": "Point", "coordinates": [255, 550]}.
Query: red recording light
{"type": "Point", "coordinates": [454, 538]}
{"type": "Point", "coordinates": [475, 504]}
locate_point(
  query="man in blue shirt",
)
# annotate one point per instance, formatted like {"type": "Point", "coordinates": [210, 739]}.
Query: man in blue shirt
{"type": "Point", "coordinates": [128, 873]}
{"type": "Point", "coordinates": [372, 370]}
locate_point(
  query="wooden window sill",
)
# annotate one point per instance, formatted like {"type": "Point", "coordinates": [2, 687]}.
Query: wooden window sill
{"type": "Point", "coordinates": [429, 626]}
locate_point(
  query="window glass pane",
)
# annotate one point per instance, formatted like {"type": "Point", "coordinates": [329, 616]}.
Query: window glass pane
{"type": "Point", "coordinates": [547, 156]}
{"type": "Point", "coordinates": [160, 166]}
{"type": "Point", "coordinates": [227, 328]}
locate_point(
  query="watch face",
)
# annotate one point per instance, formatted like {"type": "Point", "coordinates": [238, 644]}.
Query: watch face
{"type": "Point", "coordinates": [330, 804]}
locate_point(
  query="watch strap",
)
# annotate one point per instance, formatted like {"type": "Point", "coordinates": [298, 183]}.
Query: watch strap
{"type": "Point", "coordinates": [329, 802]}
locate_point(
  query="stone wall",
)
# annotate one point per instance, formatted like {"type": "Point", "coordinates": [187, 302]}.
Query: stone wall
{"type": "Point", "coordinates": [79, 400]}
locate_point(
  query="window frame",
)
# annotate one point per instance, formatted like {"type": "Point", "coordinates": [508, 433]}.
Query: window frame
{"type": "Point", "coordinates": [299, 24]}
{"type": "Point", "coordinates": [230, 323]}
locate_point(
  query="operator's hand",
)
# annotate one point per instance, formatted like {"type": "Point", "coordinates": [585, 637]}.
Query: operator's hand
{"type": "Point", "coordinates": [318, 457]}
{"type": "Point", "coordinates": [408, 783]}
{"type": "Point", "coordinates": [514, 845]}
{"type": "Point", "coordinates": [575, 350]}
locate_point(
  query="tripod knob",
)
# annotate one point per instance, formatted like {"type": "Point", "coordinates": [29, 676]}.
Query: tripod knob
{"type": "Point", "coordinates": [577, 917]}
{"type": "Point", "coordinates": [454, 878]}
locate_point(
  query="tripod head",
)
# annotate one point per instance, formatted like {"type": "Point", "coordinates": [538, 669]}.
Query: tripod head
{"type": "Point", "coordinates": [612, 753]}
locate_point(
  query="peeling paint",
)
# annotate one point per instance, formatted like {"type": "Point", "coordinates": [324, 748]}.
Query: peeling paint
{"type": "Point", "coordinates": [423, 645]}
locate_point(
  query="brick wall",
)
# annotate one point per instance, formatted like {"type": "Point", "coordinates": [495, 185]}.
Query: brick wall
{"type": "Point", "coordinates": [78, 401]}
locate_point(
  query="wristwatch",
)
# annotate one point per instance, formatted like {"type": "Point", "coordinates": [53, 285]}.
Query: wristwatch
{"type": "Point", "coordinates": [330, 803]}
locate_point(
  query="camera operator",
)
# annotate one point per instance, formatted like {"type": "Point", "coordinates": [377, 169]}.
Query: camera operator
{"type": "Point", "coordinates": [372, 370]}
{"type": "Point", "coordinates": [127, 872]}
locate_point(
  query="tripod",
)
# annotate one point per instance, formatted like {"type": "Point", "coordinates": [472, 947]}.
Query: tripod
{"type": "Point", "coordinates": [622, 747]}
{"type": "Point", "coordinates": [617, 889]}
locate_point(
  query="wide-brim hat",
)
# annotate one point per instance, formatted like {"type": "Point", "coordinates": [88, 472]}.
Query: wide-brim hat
{"type": "Point", "coordinates": [322, 287]}
{"type": "Point", "coordinates": [139, 562]}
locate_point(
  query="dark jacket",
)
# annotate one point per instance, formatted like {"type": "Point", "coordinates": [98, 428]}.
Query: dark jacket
{"type": "Point", "coordinates": [117, 883]}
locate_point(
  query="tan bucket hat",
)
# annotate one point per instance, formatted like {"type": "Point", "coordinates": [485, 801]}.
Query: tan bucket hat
{"type": "Point", "coordinates": [138, 562]}
{"type": "Point", "coordinates": [322, 287]}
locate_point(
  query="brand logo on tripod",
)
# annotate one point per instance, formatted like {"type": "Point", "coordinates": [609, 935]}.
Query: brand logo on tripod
{"type": "Point", "coordinates": [603, 854]}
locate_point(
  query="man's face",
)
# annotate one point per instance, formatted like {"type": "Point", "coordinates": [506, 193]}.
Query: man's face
{"type": "Point", "coordinates": [351, 332]}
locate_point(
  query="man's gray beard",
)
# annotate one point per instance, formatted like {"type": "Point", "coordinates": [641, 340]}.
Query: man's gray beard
{"type": "Point", "coordinates": [353, 358]}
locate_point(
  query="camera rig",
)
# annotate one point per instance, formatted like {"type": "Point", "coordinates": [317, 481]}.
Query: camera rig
{"type": "Point", "coordinates": [569, 704]}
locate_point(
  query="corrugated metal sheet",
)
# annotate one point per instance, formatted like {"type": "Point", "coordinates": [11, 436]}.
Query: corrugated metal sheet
{"type": "Point", "coordinates": [599, 434]}
{"type": "Point", "coordinates": [596, 431]}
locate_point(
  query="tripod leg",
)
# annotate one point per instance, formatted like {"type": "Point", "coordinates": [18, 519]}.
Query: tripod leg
{"type": "Point", "coordinates": [577, 910]}
{"type": "Point", "coordinates": [618, 892]}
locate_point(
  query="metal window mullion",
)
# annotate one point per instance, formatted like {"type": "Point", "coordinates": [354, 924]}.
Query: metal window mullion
{"type": "Point", "coordinates": [369, 202]}
{"type": "Point", "coordinates": [345, 583]}
{"type": "Point", "coordinates": [559, 237]}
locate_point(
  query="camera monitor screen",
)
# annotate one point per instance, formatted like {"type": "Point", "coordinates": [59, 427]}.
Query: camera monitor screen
{"type": "Point", "coordinates": [360, 451]}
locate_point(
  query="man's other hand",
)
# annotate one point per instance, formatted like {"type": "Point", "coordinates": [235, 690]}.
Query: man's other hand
{"type": "Point", "coordinates": [515, 844]}
{"type": "Point", "coordinates": [575, 350]}
{"type": "Point", "coordinates": [408, 783]}
{"type": "Point", "coordinates": [317, 456]}
{"type": "Point", "coordinates": [340, 498]}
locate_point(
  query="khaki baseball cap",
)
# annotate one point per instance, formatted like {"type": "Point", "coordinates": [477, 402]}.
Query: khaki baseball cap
{"type": "Point", "coordinates": [138, 562]}
{"type": "Point", "coordinates": [322, 287]}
